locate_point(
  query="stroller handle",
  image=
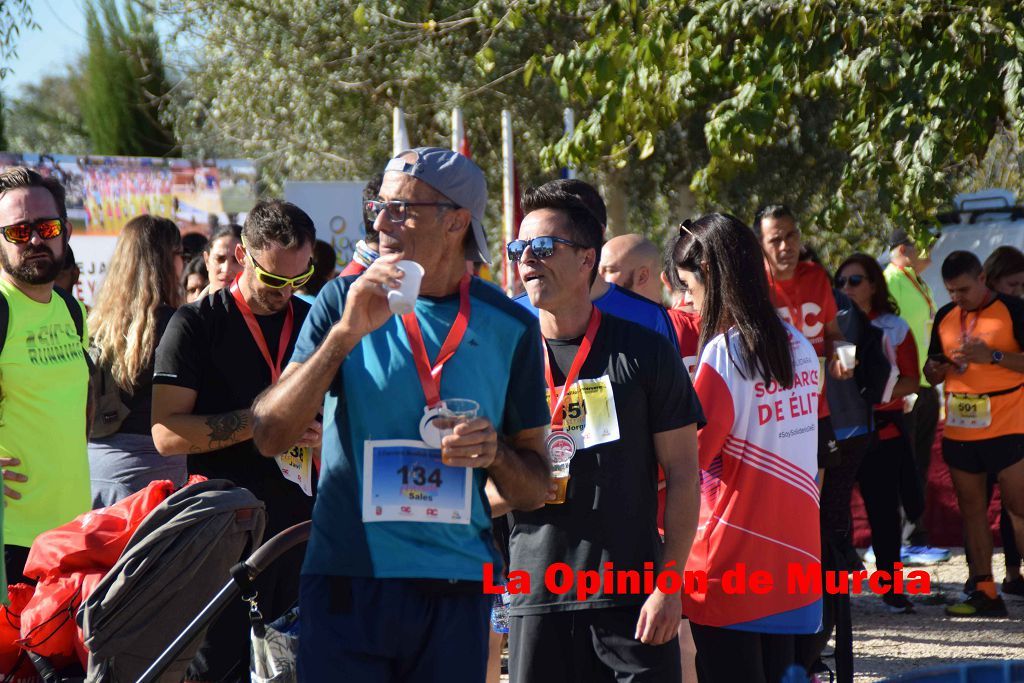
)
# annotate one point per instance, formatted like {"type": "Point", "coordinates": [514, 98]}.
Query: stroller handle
{"type": "Point", "coordinates": [277, 546]}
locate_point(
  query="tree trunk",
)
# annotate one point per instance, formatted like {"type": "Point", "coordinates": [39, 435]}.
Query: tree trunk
{"type": "Point", "coordinates": [616, 199]}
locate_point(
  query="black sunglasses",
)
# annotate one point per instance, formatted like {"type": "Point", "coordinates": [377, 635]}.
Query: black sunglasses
{"type": "Point", "coordinates": [854, 280]}
{"type": "Point", "coordinates": [542, 247]}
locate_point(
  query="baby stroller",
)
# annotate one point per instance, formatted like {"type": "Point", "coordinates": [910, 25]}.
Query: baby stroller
{"type": "Point", "coordinates": [138, 622]}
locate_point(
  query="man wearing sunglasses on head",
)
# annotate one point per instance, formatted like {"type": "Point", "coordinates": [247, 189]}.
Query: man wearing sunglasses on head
{"type": "Point", "coordinates": [44, 378]}
{"type": "Point", "coordinates": [620, 405]}
{"type": "Point", "coordinates": [392, 583]}
{"type": "Point", "coordinates": [217, 355]}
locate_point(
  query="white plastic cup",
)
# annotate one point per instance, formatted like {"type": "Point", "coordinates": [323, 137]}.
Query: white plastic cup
{"type": "Point", "coordinates": [847, 353]}
{"type": "Point", "coordinates": [403, 299]}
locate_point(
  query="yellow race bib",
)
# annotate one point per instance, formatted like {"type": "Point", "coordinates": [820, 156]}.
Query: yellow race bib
{"type": "Point", "coordinates": [971, 412]}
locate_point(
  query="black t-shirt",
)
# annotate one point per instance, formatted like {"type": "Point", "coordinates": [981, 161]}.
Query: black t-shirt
{"type": "Point", "coordinates": [610, 513]}
{"type": "Point", "coordinates": [207, 347]}
{"type": "Point", "coordinates": [140, 401]}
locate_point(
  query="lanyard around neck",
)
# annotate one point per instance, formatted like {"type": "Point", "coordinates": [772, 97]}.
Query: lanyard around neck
{"type": "Point", "coordinates": [257, 333]}
{"type": "Point", "coordinates": [574, 369]}
{"type": "Point", "coordinates": [430, 373]}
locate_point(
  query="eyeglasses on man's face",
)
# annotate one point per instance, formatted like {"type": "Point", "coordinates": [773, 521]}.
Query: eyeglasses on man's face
{"type": "Point", "coordinates": [397, 211]}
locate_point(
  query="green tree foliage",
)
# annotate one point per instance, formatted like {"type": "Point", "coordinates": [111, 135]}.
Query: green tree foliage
{"type": "Point", "coordinates": [844, 108]}
{"type": "Point", "coordinates": [861, 114]}
{"type": "Point", "coordinates": [307, 87]}
{"type": "Point", "coordinates": [124, 83]}
{"type": "Point", "coordinates": [47, 117]}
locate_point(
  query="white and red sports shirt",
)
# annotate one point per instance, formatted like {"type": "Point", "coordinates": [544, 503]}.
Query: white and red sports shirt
{"type": "Point", "coordinates": [759, 498]}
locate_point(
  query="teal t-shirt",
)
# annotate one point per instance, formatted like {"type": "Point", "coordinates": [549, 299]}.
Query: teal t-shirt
{"type": "Point", "coordinates": [377, 396]}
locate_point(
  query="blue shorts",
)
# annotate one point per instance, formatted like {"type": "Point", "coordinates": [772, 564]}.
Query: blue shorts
{"type": "Point", "coordinates": [391, 630]}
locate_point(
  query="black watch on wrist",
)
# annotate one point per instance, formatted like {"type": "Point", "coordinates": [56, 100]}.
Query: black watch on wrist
{"type": "Point", "coordinates": [997, 357]}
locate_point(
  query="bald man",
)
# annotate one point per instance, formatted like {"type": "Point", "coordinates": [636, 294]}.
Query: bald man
{"type": "Point", "coordinates": [632, 262]}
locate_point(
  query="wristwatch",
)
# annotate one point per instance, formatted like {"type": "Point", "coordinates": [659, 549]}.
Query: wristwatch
{"type": "Point", "coordinates": [997, 357]}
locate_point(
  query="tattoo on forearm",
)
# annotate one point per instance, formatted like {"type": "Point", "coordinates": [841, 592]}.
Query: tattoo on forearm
{"type": "Point", "coordinates": [224, 428]}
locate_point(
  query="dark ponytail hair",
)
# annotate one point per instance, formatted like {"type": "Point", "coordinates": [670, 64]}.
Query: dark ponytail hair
{"type": "Point", "coordinates": [725, 254]}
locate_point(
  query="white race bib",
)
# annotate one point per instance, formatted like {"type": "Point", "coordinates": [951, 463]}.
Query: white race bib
{"type": "Point", "coordinates": [589, 415]}
{"type": "Point", "coordinates": [405, 481]}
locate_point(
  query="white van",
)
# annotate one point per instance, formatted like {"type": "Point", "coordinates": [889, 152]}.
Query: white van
{"type": "Point", "coordinates": [979, 222]}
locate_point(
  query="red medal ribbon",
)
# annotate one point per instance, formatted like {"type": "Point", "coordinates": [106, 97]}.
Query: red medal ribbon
{"type": "Point", "coordinates": [430, 374]}
{"type": "Point", "coordinates": [257, 333]}
{"type": "Point", "coordinates": [920, 289]}
{"type": "Point", "coordinates": [965, 332]}
{"type": "Point", "coordinates": [574, 369]}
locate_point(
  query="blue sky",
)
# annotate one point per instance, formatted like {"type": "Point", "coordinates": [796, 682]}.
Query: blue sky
{"type": "Point", "coordinates": [58, 41]}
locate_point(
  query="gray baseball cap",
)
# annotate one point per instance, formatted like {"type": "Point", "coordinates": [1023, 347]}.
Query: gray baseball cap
{"type": "Point", "coordinates": [458, 179]}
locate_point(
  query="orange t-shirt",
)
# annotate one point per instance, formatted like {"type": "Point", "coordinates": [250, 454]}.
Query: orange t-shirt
{"type": "Point", "coordinates": [806, 302]}
{"type": "Point", "coordinates": [1000, 324]}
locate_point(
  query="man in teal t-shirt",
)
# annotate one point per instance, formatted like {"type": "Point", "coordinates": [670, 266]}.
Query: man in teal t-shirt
{"type": "Point", "coordinates": [917, 307]}
{"type": "Point", "coordinates": [44, 379]}
{"type": "Point", "coordinates": [401, 525]}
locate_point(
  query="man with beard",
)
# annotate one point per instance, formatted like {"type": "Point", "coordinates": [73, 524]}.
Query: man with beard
{"type": "Point", "coordinates": [632, 262]}
{"type": "Point", "coordinates": [217, 355]}
{"type": "Point", "coordinates": [44, 379]}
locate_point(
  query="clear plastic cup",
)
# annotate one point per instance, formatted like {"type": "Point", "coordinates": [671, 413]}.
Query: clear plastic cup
{"type": "Point", "coordinates": [560, 459]}
{"type": "Point", "coordinates": [847, 353]}
{"type": "Point", "coordinates": [453, 411]}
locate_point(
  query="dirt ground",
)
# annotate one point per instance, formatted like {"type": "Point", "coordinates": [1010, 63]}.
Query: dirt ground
{"type": "Point", "coordinates": [887, 645]}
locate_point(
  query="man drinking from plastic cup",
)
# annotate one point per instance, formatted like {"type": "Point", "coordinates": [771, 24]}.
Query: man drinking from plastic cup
{"type": "Point", "coordinates": [392, 584]}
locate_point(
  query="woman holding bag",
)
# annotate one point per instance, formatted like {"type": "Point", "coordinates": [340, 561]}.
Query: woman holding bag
{"type": "Point", "coordinates": [135, 303]}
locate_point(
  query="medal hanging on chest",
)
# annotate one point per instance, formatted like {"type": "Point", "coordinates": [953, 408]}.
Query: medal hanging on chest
{"type": "Point", "coordinates": [430, 373]}
{"type": "Point", "coordinates": [429, 433]}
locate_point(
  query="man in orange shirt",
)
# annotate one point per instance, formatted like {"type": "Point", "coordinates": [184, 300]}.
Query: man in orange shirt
{"type": "Point", "coordinates": [802, 293]}
{"type": "Point", "coordinates": [976, 350]}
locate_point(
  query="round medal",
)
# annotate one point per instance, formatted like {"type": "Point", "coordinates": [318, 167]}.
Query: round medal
{"type": "Point", "coordinates": [561, 447]}
{"type": "Point", "coordinates": [429, 433]}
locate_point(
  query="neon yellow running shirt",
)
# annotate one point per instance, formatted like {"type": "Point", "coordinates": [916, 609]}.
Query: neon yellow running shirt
{"type": "Point", "coordinates": [44, 384]}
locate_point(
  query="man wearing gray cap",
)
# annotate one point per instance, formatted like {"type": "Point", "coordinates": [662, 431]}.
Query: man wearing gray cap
{"type": "Point", "coordinates": [392, 585]}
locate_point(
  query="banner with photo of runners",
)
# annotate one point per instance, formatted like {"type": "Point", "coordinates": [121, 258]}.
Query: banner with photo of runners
{"type": "Point", "coordinates": [104, 193]}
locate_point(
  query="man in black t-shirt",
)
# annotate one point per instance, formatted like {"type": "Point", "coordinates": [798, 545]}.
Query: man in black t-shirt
{"type": "Point", "coordinates": [629, 407]}
{"type": "Point", "coordinates": [215, 357]}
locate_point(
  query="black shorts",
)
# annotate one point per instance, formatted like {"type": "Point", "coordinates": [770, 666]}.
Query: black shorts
{"type": "Point", "coordinates": [587, 646]}
{"type": "Point", "coordinates": [828, 446]}
{"type": "Point", "coordinates": [987, 455]}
